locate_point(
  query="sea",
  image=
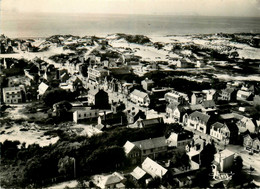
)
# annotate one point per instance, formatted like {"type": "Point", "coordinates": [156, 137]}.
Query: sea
{"type": "Point", "coordinates": [23, 25]}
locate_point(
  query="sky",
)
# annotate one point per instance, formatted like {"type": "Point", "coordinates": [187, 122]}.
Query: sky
{"type": "Point", "coordinates": [241, 8]}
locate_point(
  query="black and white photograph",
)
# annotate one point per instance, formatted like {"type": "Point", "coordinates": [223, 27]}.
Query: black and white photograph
{"type": "Point", "coordinates": [129, 94]}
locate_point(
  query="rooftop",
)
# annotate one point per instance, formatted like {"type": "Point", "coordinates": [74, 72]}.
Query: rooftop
{"type": "Point", "coordinates": [151, 143]}
{"type": "Point", "coordinates": [200, 116]}
{"type": "Point", "coordinates": [153, 168]}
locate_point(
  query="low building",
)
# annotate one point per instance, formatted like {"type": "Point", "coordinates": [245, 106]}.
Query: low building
{"type": "Point", "coordinates": [134, 114]}
{"type": "Point", "coordinates": [85, 114]}
{"type": "Point", "coordinates": [220, 132]}
{"type": "Point", "coordinates": [138, 175]}
{"type": "Point", "coordinates": [179, 140]}
{"type": "Point", "coordinates": [115, 180]}
{"type": "Point", "coordinates": [224, 160]}
{"type": "Point", "coordinates": [153, 148]}
{"type": "Point", "coordinates": [176, 97]}
{"type": "Point", "coordinates": [244, 95]}
{"type": "Point", "coordinates": [153, 168]}
{"type": "Point", "coordinates": [147, 84]}
{"type": "Point", "coordinates": [140, 98]}
{"type": "Point", "coordinates": [197, 97]}
{"type": "Point", "coordinates": [133, 152]}
{"type": "Point", "coordinates": [42, 88]}
{"type": "Point", "coordinates": [211, 94]}
{"type": "Point", "coordinates": [97, 74]}
{"type": "Point", "coordinates": [150, 123]}
{"type": "Point", "coordinates": [175, 111]}
{"type": "Point", "coordinates": [228, 94]}
{"type": "Point", "coordinates": [245, 124]}
{"type": "Point", "coordinates": [13, 95]}
{"type": "Point", "coordinates": [251, 142]}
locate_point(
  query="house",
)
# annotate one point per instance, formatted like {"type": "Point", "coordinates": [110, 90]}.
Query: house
{"type": "Point", "coordinates": [220, 132]}
{"type": "Point", "coordinates": [211, 94]}
{"type": "Point", "coordinates": [244, 95]}
{"type": "Point", "coordinates": [228, 94]}
{"type": "Point", "coordinates": [179, 140]}
{"type": "Point", "coordinates": [147, 84]}
{"type": "Point", "coordinates": [153, 168]}
{"type": "Point", "coordinates": [115, 180]}
{"type": "Point", "coordinates": [140, 98]}
{"type": "Point", "coordinates": [208, 105]}
{"type": "Point", "coordinates": [176, 97]}
{"type": "Point", "coordinates": [133, 152]}
{"type": "Point", "coordinates": [224, 160]}
{"type": "Point", "coordinates": [197, 121]}
{"type": "Point", "coordinates": [138, 175]}
{"type": "Point", "coordinates": [98, 98]}
{"type": "Point", "coordinates": [13, 95]}
{"type": "Point", "coordinates": [134, 114]}
{"type": "Point", "coordinates": [251, 142]}
{"type": "Point", "coordinates": [183, 181]}
{"type": "Point", "coordinates": [42, 88]}
{"type": "Point", "coordinates": [112, 119]}
{"type": "Point", "coordinates": [117, 106]}
{"type": "Point", "coordinates": [175, 111]}
{"type": "Point", "coordinates": [150, 123]}
{"type": "Point", "coordinates": [197, 97]}
{"type": "Point", "coordinates": [246, 123]}
{"type": "Point", "coordinates": [85, 113]}
{"type": "Point", "coordinates": [97, 74]}
{"type": "Point", "coordinates": [153, 147]}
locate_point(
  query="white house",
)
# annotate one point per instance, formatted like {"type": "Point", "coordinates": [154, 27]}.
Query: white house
{"type": "Point", "coordinates": [224, 159]}
{"type": "Point", "coordinates": [140, 97]}
{"type": "Point", "coordinates": [12, 95]}
{"type": "Point", "coordinates": [85, 113]}
{"type": "Point", "coordinates": [42, 88]}
{"type": "Point", "coordinates": [197, 121]}
{"type": "Point", "coordinates": [220, 131]}
{"type": "Point", "coordinates": [153, 168]}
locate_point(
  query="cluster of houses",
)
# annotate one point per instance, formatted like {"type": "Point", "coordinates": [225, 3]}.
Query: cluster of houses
{"type": "Point", "coordinates": [199, 113]}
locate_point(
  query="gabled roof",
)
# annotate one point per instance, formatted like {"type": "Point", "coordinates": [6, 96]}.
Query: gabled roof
{"type": "Point", "coordinates": [128, 146]}
{"type": "Point", "coordinates": [151, 143]}
{"type": "Point", "coordinates": [217, 125]}
{"type": "Point", "coordinates": [43, 88]}
{"type": "Point", "coordinates": [229, 90]}
{"type": "Point", "coordinates": [208, 103]}
{"type": "Point", "coordinates": [149, 122]}
{"type": "Point", "coordinates": [200, 116]}
{"type": "Point", "coordinates": [153, 168]}
{"type": "Point", "coordinates": [138, 173]}
{"type": "Point", "coordinates": [139, 93]}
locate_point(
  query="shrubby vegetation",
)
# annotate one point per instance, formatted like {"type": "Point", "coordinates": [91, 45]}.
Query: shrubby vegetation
{"type": "Point", "coordinates": [40, 166]}
{"type": "Point", "coordinates": [139, 39]}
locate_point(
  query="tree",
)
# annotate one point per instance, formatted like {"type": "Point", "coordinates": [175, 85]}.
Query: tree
{"type": "Point", "coordinates": [154, 183]}
{"type": "Point", "coordinates": [66, 165]}
{"type": "Point", "coordinates": [57, 95]}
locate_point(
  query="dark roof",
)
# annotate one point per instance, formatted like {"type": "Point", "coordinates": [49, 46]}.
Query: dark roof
{"type": "Point", "coordinates": [229, 90]}
{"type": "Point", "coordinates": [200, 116]}
{"type": "Point", "coordinates": [208, 103]}
{"type": "Point", "coordinates": [151, 143]}
{"type": "Point", "coordinates": [217, 125]}
{"type": "Point", "coordinates": [149, 122]}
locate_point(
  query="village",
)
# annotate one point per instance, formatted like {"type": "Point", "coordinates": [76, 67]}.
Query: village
{"type": "Point", "coordinates": [130, 111]}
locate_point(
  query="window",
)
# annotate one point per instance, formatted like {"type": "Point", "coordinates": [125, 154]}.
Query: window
{"type": "Point", "coordinates": [79, 115]}
{"type": "Point", "coordinates": [85, 115]}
